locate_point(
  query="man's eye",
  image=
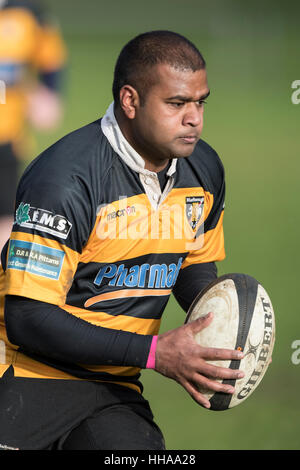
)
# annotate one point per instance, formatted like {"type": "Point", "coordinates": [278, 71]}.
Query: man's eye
{"type": "Point", "coordinates": [202, 102]}
{"type": "Point", "coordinates": [176, 104]}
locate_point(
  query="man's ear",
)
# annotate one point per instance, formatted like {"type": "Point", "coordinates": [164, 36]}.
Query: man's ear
{"type": "Point", "coordinates": [129, 100]}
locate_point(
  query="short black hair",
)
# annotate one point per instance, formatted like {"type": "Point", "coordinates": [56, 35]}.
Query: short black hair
{"type": "Point", "coordinates": [148, 49]}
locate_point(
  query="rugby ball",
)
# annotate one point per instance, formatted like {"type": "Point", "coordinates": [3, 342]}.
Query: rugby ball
{"type": "Point", "coordinates": [244, 320]}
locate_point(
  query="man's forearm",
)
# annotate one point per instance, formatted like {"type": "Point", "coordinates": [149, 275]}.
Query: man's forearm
{"type": "Point", "coordinates": [47, 330]}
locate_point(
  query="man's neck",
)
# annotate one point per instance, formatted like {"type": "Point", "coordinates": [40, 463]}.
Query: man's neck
{"type": "Point", "coordinates": [150, 165]}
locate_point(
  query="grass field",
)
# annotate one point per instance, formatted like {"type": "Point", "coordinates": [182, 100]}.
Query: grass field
{"type": "Point", "coordinates": [252, 55]}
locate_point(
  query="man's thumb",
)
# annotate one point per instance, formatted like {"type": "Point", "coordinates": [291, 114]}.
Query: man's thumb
{"type": "Point", "coordinates": [201, 322]}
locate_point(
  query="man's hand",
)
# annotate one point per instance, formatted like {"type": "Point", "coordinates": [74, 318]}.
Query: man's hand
{"type": "Point", "coordinates": [179, 357]}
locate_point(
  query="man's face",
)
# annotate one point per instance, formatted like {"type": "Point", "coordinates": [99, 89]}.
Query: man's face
{"type": "Point", "coordinates": [170, 121]}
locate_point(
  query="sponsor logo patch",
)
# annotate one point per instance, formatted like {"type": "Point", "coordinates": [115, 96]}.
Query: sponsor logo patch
{"type": "Point", "coordinates": [193, 209]}
{"type": "Point", "coordinates": [129, 210]}
{"type": "Point", "coordinates": [43, 220]}
{"type": "Point", "coordinates": [34, 258]}
{"type": "Point", "coordinates": [158, 276]}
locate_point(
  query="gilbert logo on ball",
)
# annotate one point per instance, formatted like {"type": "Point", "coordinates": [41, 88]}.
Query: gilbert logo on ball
{"type": "Point", "coordinates": [244, 320]}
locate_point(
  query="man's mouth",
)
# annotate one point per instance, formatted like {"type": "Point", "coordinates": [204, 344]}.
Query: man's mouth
{"type": "Point", "coordinates": [189, 139]}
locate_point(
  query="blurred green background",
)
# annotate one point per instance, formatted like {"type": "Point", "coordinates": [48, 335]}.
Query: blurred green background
{"type": "Point", "coordinates": [252, 54]}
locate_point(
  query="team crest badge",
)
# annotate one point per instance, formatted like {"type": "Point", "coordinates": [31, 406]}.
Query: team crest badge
{"type": "Point", "coordinates": [194, 209]}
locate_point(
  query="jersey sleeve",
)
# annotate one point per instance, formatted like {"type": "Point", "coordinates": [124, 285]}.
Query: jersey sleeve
{"type": "Point", "coordinates": [43, 331]}
{"type": "Point", "coordinates": [191, 281]}
{"type": "Point", "coordinates": [52, 224]}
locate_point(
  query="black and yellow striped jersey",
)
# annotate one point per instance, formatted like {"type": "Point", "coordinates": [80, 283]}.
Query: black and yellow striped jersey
{"type": "Point", "coordinates": [88, 239]}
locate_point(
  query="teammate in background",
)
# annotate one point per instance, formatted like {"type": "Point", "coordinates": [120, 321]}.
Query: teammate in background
{"type": "Point", "coordinates": [109, 221]}
{"type": "Point", "coordinates": [32, 59]}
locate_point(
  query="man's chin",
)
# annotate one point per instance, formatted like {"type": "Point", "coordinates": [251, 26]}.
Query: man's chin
{"type": "Point", "coordinates": [185, 151]}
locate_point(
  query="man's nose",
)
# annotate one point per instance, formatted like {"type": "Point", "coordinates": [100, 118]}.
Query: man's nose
{"type": "Point", "coordinates": [193, 115]}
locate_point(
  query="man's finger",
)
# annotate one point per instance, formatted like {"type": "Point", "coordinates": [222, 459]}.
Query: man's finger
{"type": "Point", "coordinates": [220, 354]}
{"type": "Point", "coordinates": [196, 395]}
{"type": "Point", "coordinates": [212, 385]}
{"type": "Point", "coordinates": [215, 372]}
{"type": "Point", "coordinates": [201, 323]}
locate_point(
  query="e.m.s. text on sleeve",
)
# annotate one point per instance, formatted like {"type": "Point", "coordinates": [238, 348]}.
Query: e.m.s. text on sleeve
{"type": "Point", "coordinates": [52, 223]}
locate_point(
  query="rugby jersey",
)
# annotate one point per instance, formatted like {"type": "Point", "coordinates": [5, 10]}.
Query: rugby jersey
{"type": "Point", "coordinates": [89, 238]}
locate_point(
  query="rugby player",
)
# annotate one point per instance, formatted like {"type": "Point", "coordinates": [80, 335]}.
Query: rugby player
{"type": "Point", "coordinates": [32, 62]}
{"type": "Point", "coordinates": [111, 220]}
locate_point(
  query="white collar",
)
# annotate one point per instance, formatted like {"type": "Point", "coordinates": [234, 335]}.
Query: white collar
{"type": "Point", "coordinates": [122, 147]}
